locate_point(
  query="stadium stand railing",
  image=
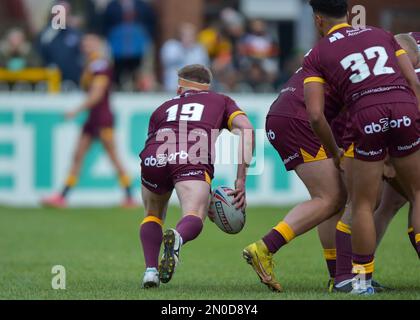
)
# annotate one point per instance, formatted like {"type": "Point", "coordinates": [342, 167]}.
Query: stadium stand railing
{"type": "Point", "coordinates": [34, 75]}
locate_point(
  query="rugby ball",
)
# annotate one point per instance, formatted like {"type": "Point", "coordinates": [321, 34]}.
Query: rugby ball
{"type": "Point", "coordinates": [226, 216]}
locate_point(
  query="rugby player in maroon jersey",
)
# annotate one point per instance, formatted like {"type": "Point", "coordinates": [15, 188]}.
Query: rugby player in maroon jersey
{"type": "Point", "coordinates": [179, 154]}
{"type": "Point", "coordinates": [289, 131]}
{"type": "Point", "coordinates": [375, 79]}
{"type": "Point", "coordinates": [392, 198]}
{"type": "Point", "coordinates": [96, 81]}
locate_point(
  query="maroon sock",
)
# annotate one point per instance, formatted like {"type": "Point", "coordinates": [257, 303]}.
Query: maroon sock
{"type": "Point", "coordinates": [344, 256]}
{"type": "Point", "coordinates": [151, 240]}
{"type": "Point", "coordinates": [189, 227]}
{"type": "Point", "coordinates": [363, 260]}
{"type": "Point", "coordinates": [331, 265]}
{"type": "Point", "coordinates": [274, 241]}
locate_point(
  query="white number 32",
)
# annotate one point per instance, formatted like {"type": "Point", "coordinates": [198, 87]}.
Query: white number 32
{"type": "Point", "coordinates": [357, 63]}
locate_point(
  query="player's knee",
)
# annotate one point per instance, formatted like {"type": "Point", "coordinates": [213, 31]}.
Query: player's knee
{"type": "Point", "coordinates": [335, 201]}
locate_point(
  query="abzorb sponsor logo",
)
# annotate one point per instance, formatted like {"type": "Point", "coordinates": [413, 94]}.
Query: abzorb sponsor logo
{"type": "Point", "coordinates": [385, 124]}
{"type": "Point", "coordinates": [162, 159]}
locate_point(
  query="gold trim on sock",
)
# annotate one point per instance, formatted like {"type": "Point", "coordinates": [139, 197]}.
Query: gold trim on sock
{"type": "Point", "coordinates": [330, 254]}
{"type": "Point", "coordinates": [152, 219]}
{"type": "Point", "coordinates": [71, 181]}
{"type": "Point", "coordinates": [125, 181]}
{"type": "Point", "coordinates": [411, 229]}
{"type": "Point", "coordinates": [341, 226]}
{"type": "Point", "coordinates": [285, 230]}
{"type": "Point", "coordinates": [417, 238]}
{"type": "Point", "coordinates": [363, 268]}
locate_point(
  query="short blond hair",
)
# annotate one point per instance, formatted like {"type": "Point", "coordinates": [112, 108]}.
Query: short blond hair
{"type": "Point", "coordinates": [197, 73]}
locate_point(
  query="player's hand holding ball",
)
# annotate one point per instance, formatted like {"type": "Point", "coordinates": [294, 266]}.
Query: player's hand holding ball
{"type": "Point", "coordinates": [223, 212]}
{"type": "Point", "coordinates": [239, 199]}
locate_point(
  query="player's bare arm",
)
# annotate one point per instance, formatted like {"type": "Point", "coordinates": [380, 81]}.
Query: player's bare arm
{"type": "Point", "coordinates": [95, 95]}
{"type": "Point", "coordinates": [410, 75]}
{"type": "Point", "coordinates": [314, 99]}
{"type": "Point", "coordinates": [242, 127]}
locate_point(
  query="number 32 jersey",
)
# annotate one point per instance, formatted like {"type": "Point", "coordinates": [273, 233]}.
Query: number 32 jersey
{"type": "Point", "coordinates": [360, 65]}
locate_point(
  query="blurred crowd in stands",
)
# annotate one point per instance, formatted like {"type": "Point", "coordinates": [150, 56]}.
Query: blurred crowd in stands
{"type": "Point", "coordinates": [244, 55]}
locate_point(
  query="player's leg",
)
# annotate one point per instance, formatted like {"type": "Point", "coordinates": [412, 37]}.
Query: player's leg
{"type": "Point", "coordinates": [194, 199]}
{"type": "Point", "coordinates": [326, 233]}
{"type": "Point", "coordinates": [365, 185]}
{"type": "Point", "coordinates": [327, 192]}
{"type": "Point", "coordinates": [411, 232]}
{"type": "Point", "coordinates": [193, 196]}
{"type": "Point", "coordinates": [107, 139]}
{"type": "Point", "coordinates": [404, 150]}
{"type": "Point", "coordinates": [388, 204]}
{"type": "Point", "coordinates": [408, 170]}
{"type": "Point", "coordinates": [83, 145]}
{"type": "Point", "coordinates": [155, 207]}
{"type": "Point", "coordinates": [326, 189]}
{"type": "Point", "coordinates": [391, 202]}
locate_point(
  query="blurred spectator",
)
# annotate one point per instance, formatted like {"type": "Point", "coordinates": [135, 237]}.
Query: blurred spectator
{"type": "Point", "coordinates": [258, 43]}
{"type": "Point", "coordinates": [218, 46]}
{"type": "Point", "coordinates": [234, 28]}
{"type": "Point", "coordinates": [258, 47]}
{"type": "Point", "coordinates": [95, 15]}
{"type": "Point", "coordinates": [129, 26]}
{"type": "Point", "coordinates": [220, 51]}
{"type": "Point", "coordinates": [292, 64]}
{"type": "Point", "coordinates": [60, 47]}
{"type": "Point", "coordinates": [176, 53]}
{"type": "Point", "coordinates": [16, 52]}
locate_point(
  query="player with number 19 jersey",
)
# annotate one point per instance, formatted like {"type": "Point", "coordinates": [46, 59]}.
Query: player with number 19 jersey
{"type": "Point", "coordinates": [175, 127]}
{"type": "Point", "coordinates": [361, 66]}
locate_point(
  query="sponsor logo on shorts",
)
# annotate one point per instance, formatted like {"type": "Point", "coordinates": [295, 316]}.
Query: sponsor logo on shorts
{"type": "Point", "coordinates": [385, 124]}
{"type": "Point", "coordinates": [192, 173]}
{"type": "Point", "coordinates": [162, 159]}
{"type": "Point", "coordinates": [290, 158]}
{"type": "Point", "coordinates": [371, 153]}
{"type": "Point", "coordinates": [271, 135]}
{"type": "Point", "coordinates": [153, 185]}
{"type": "Point", "coordinates": [409, 147]}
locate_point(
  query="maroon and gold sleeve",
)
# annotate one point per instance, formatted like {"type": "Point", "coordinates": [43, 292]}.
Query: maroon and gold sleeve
{"type": "Point", "coordinates": [100, 71]}
{"type": "Point", "coordinates": [395, 45]}
{"type": "Point", "coordinates": [311, 67]}
{"type": "Point", "coordinates": [231, 112]}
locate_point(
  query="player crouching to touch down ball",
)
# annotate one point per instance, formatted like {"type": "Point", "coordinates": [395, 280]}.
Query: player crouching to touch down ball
{"type": "Point", "coordinates": [178, 155]}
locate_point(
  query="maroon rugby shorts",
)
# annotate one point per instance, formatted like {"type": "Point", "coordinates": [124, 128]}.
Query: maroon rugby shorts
{"type": "Point", "coordinates": [294, 140]}
{"type": "Point", "coordinates": [161, 171]}
{"type": "Point", "coordinates": [374, 131]}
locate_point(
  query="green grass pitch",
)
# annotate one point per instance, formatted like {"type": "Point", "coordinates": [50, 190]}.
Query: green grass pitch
{"type": "Point", "coordinates": [100, 250]}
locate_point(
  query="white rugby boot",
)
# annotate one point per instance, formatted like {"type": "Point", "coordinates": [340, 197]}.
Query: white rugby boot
{"type": "Point", "coordinates": [151, 278]}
